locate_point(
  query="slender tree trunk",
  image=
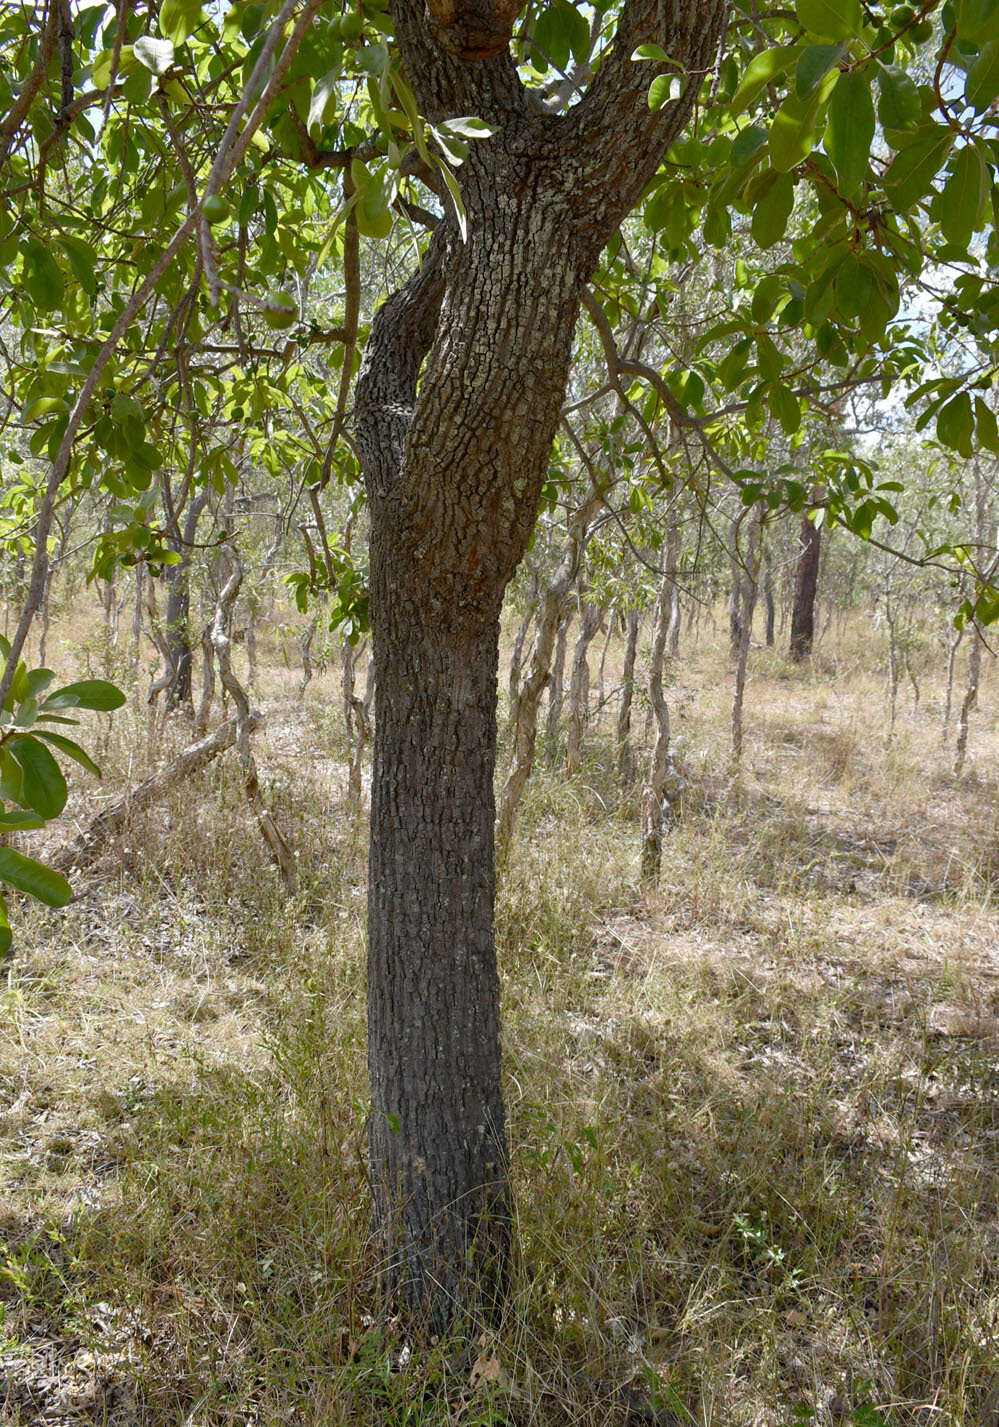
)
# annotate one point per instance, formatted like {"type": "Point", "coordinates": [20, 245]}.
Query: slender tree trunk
{"type": "Point", "coordinates": [735, 611]}
{"type": "Point", "coordinates": [556, 688]}
{"type": "Point", "coordinates": [806, 580]}
{"type": "Point", "coordinates": [579, 686]}
{"type": "Point", "coordinates": [177, 647]}
{"type": "Point", "coordinates": [305, 648]}
{"type": "Point", "coordinates": [969, 701]}
{"type": "Point", "coordinates": [768, 597]}
{"type": "Point", "coordinates": [749, 582]}
{"type": "Point", "coordinates": [660, 803]}
{"type": "Point", "coordinates": [672, 571]}
{"type": "Point", "coordinates": [625, 753]}
{"type": "Point", "coordinates": [361, 710]}
{"type": "Point", "coordinates": [891, 619]}
{"type": "Point", "coordinates": [601, 668]}
{"type": "Point", "coordinates": [550, 632]}
{"type": "Point", "coordinates": [139, 576]}
{"type": "Point", "coordinates": [953, 643]}
{"type": "Point", "coordinates": [517, 655]}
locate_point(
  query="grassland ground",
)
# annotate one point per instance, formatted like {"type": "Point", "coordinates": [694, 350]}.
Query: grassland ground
{"type": "Point", "coordinates": [754, 1110]}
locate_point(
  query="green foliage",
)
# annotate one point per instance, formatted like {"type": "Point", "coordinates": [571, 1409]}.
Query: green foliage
{"type": "Point", "coordinates": [31, 780]}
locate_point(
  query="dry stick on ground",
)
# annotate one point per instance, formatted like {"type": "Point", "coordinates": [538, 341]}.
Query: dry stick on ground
{"type": "Point", "coordinates": [221, 631]}
{"type": "Point", "coordinates": [88, 844]}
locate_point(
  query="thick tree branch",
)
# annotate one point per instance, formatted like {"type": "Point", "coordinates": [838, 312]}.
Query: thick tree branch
{"type": "Point", "coordinates": [34, 82]}
{"type": "Point", "coordinates": [401, 335]}
{"type": "Point", "coordinates": [617, 137]}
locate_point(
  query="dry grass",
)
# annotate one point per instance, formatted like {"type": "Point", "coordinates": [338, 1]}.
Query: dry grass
{"type": "Point", "coordinates": [754, 1111]}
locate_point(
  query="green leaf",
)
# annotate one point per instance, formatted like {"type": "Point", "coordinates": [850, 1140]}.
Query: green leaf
{"type": "Point", "coordinates": [663, 89]}
{"type": "Point", "coordinates": [322, 92]}
{"type": "Point", "coordinates": [982, 84]}
{"type": "Point", "coordinates": [18, 820]}
{"type": "Point", "coordinates": [44, 785]}
{"type": "Point", "coordinates": [6, 939]}
{"type": "Point", "coordinates": [83, 261]}
{"type": "Point", "coordinates": [747, 145]}
{"type": "Point", "coordinates": [761, 71]}
{"type": "Point", "coordinates": [978, 20]}
{"type": "Point", "coordinates": [830, 19]}
{"type": "Point", "coordinates": [854, 284]}
{"type": "Point", "coordinates": [11, 777]}
{"type": "Point", "coordinates": [813, 66]}
{"type": "Point", "coordinates": [87, 694]}
{"type": "Point", "coordinates": [773, 210]}
{"type": "Point", "coordinates": [71, 750]}
{"type": "Point", "coordinates": [468, 127]}
{"type": "Point", "coordinates": [784, 405]}
{"type": "Point", "coordinates": [986, 427]}
{"type": "Point", "coordinates": [850, 130]}
{"type": "Point", "coordinates": [562, 31]}
{"type": "Point", "coordinates": [38, 681]}
{"type": "Point", "coordinates": [43, 279]}
{"type": "Point", "coordinates": [962, 206]}
{"type": "Point", "coordinates": [898, 105]}
{"type": "Point", "coordinates": [792, 131]}
{"type": "Point", "coordinates": [956, 425]}
{"type": "Point", "coordinates": [915, 167]}
{"type": "Point", "coordinates": [33, 877]}
{"type": "Point", "coordinates": [154, 55]}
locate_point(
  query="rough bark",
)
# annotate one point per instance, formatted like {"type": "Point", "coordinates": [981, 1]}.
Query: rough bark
{"type": "Point", "coordinates": [806, 581]}
{"type": "Point", "coordinates": [454, 471]}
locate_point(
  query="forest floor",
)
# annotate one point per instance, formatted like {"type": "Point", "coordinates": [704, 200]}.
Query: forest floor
{"type": "Point", "coordinates": [753, 1110]}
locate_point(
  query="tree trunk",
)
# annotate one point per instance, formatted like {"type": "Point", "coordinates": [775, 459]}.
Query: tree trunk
{"type": "Point", "coordinates": [177, 646]}
{"type": "Point", "coordinates": [579, 686]}
{"type": "Point", "coordinates": [768, 597]}
{"type": "Point", "coordinates": [517, 654]}
{"type": "Point", "coordinates": [550, 630]}
{"type": "Point", "coordinates": [672, 572]}
{"type": "Point", "coordinates": [749, 588]}
{"type": "Point", "coordinates": [660, 803]}
{"type": "Point", "coordinates": [806, 579]}
{"type": "Point", "coordinates": [625, 754]}
{"type": "Point", "coordinates": [454, 472]}
{"type": "Point", "coordinates": [556, 689]}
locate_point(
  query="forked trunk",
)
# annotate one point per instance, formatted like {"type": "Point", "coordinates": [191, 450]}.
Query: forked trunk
{"type": "Point", "coordinates": [456, 407]}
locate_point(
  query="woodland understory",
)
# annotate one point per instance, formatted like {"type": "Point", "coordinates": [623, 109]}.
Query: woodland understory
{"type": "Point", "coordinates": [752, 1100]}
